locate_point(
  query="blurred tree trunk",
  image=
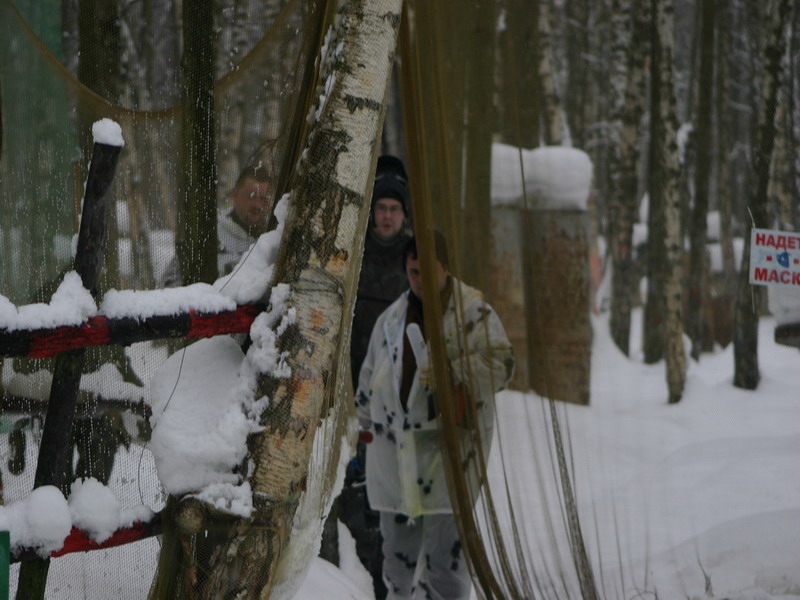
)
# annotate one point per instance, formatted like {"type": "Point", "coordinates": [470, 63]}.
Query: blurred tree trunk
{"type": "Point", "coordinates": [629, 86]}
{"type": "Point", "coordinates": [748, 301]}
{"type": "Point", "coordinates": [553, 124]}
{"type": "Point", "coordinates": [698, 263]}
{"type": "Point", "coordinates": [577, 52]}
{"type": "Point", "coordinates": [653, 322]}
{"type": "Point", "coordinates": [793, 115]}
{"type": "Point", "coordinates": [393, 139]}
{"type": "Point", "coordinates": [780, 185]}
{"type": "Point", "coordinates": [519, 97]}
{"type": "Point", "coordinates": [724, 192]}
{"type": "Point", "coordinates": [663, 315]}
{"type": "Point", "coordinates": [197, 238]}
{"type": "Point", "coordinates": [479, 127]}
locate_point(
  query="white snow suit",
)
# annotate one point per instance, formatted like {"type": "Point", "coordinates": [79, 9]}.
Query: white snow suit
{"type": "Point", "coordinates": [404, 463]}
{"type": "Point", "coordinates": [232, 241]}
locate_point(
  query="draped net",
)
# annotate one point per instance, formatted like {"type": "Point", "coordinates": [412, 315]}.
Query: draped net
{"type": "Point", "coordinates": [64, 66]}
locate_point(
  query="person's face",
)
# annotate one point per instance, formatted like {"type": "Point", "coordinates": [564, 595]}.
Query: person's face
{"type": "Point", "coordinates": [252, 201]}
{"type": "Point", "coordinates": [414, 275]}
{"type": "Point", "coordinates": [388, 216]}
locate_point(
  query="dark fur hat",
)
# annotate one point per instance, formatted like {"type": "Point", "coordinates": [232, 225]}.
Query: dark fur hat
{"type": "Point", "coordinates": [440, 246]}
{"type": "Point", "coordinates": [391, 181]}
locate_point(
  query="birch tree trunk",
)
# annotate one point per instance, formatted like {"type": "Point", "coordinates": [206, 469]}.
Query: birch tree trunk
{"type": "Point", "coordinates": [748, 301]}
{"type": "Point", "coordinates": [553, 125]}
{"type": "Point", "coordinates": [698, 264]}
{"type": "Point", "coordinates": [321, 250]}
{"type": "Point", "coordinates": [630, 88]}
{"type": "Point", "coordinates": [665, 192]}
{"type": "Point", "coordinates": [577, 51]}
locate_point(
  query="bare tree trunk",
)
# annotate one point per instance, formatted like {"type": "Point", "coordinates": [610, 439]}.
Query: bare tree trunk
{"type": "Point", "coordinates": [479, 128]}
{"type": "Point", "coordinates": [576, 92]}
{"type": "Point", "coordinates": [520, 103]}
{"type": "Point", "coordinates": [320, 263]}
{"type": "Point", "coordinates": [780, 186]}
{"type": "Point", "coordinates": [724, 303]}
{"type": "Point", "coordinates": [793, 115]}
{"type": "Point", "coordinates": [653, 323]}
{"type": "Point", "coordinates": [698, 264]}
{"type": "Point", "coordinates": [748, 302]}
{"type": "Point", "coordinates": [631, 90]}
{"type": "Point", "coordinates": [553, 125]}
{"type": "Point", "coordinates": [665, 193]}
{"type": "Point", "coordinates": [197, 247]}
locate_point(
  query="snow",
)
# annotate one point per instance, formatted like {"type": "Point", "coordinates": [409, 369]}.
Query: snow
{"type": "Point", "coordinates": [784, 303]}
{"type": "Point", "coordinates": [545, 178]}
{"type": "Point", "coordinates": [250, 278]}
{"type": "Point", "coordinates": [715, 254]}
{"type": "Point", "coordinates": [666, 492]}
{"type": "Point", "coordinates": [108, 132]}
{"type": "Point", "coordinates": [204, 396]}
{"type": "Point", "coordinates": [94, 508]}
{"type": "Point", "coordinates": [670, 495]}
{"type": "Point", "coordinates": [71, 304]}
{"type": "Point", "coordinates": [707, 485]}
{"type": "Point", "coordinates": [40, 522]}
{"type": "Point", "coordinates": [201, 297]}
{"type": "Point", "coordinates": [197, 443]}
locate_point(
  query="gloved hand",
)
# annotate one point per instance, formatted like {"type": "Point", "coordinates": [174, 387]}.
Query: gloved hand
{"type": "Point", "coordinates": [355, 473]}
{"type": "Point", "coordinates": [421, 354]}
{"type": "Point", "coordinates": [425, 373]}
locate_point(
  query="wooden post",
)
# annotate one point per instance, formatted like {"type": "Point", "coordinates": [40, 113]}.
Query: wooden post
{"type": "Point", "coordinates": [558, 304]}
{"type": "Point", "coordinates": [55, 449]}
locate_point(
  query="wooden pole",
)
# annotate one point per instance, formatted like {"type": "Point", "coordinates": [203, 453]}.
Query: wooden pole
{"type": "Point", "coordinates": [55, 449]}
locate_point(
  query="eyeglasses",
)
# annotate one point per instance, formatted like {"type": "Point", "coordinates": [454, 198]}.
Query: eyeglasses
{"type": "Point", "coordinates": [394, 207]}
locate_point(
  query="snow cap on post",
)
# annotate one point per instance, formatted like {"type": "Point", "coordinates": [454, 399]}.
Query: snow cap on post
{"type": "Point", "coordinates": [108, 132]}
{"type": "Point", "coordinates": [554, 177]}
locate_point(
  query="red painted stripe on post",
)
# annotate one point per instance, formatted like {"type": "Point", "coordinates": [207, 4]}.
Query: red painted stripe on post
{"type": "Point", "coordinates": [50, 342]}
{"type": "Point", "coordinates": [79, 541]}
{"type": "Point", "coordinates": [208, 325]}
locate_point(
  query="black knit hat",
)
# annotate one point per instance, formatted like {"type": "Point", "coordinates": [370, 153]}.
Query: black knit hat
{"type": "Point", "coordinates": [391, 181]}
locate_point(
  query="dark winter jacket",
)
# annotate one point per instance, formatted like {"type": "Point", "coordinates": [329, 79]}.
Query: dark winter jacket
{"type": "Point", "coordinates": [382, 280]}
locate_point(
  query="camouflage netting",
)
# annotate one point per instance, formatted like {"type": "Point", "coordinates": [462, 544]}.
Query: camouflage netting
{"type": "Point", "coordinates": [298, 88]}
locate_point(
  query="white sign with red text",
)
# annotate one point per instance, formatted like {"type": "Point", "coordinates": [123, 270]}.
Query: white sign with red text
{"type": "Point", "coordinates": [775, 257]}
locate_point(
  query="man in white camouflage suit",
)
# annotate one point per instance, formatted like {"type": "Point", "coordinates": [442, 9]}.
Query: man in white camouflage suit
{"type": "Point", "coordinates": [395, 403]}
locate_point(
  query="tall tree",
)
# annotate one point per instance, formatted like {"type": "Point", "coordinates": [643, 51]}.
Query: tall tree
{"type": "Point", "coordinates": [577, 52]}
{"type": "Point", "coordinates": [629, 85]}
{"type": "Point", "coordinates": [320, 260]}
{"type": "Point", "coordinates": [520, 108]}
{"type": "Point", "coordinates": [698, 263]}
{"type": "Point", "coordinates": [723, 180]}
{"type": "Point", "coordinates": [479, 91]}
{"type": "Point", "coordinates": [748, 301]}
{"type": "Point", "coordinates": [666, 245]}
{"type": "Point", "coordinates": [553, 122]}
{"type": "Point", "coordinates": [197, 247]}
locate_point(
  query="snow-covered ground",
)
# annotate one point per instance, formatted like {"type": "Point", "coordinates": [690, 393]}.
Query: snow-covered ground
{"type": "Point", "coordinates": [669, 495]}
